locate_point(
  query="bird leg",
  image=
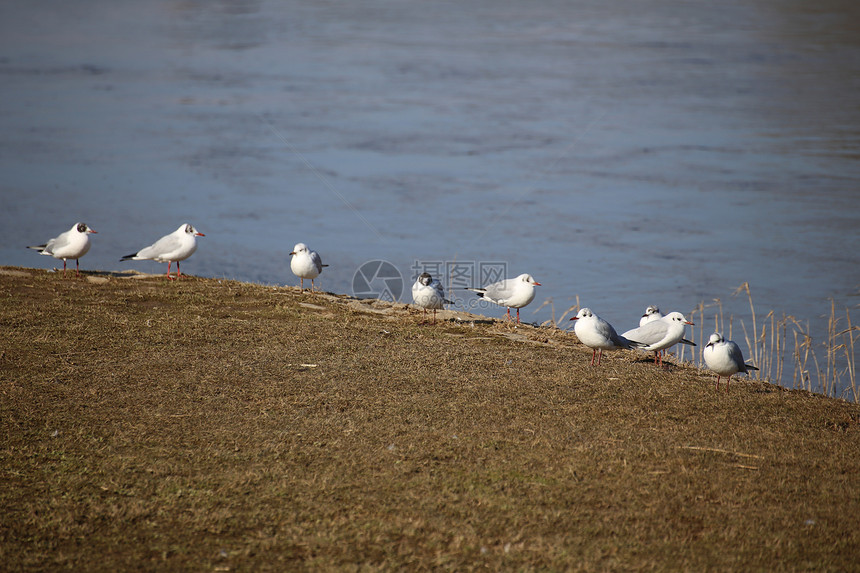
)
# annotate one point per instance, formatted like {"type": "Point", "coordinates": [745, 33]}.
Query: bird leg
{"type": "Point", "coordinates": [593, 352]}
{"type": "Point", "coordinates": [64, 268]}
{"type": "Point", "coordinates": [599, 356]}
{"type": "Point", "coordinates": [77, 268]}
{"type": "Point", "coordinates": [178, 272]}
{"type": "Point", "coordinates": [434, 317]}
{"type": "Point", "coordinates": [518, 316]}
{"type": "Point", "coordinates": [729, 379]}
{"type": "Point", "coordinates": [508, 313]}
{"type": "Point", "coordinates": [170, 278]}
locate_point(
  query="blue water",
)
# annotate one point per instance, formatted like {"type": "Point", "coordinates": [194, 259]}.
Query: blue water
{"type": "Point", "coordinates": [628, 153]}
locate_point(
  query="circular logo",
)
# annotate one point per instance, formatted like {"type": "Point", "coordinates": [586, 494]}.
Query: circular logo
{"type": "Point", "coordinates": [377, 279]}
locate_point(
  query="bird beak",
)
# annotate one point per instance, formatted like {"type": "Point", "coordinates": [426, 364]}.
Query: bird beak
{"type": "Point", "coordinates": [292, 252]}
{"type": "Point", "coordinates": [690, 323]}
{"type": "Point", "coordinates": [199, 234]}
{"type": "Point", "coordinates": [574, 318]}
{"type": "Point", "coordinates": [537, 283]}
{"type": "Point", "coordinates": [92, 231]}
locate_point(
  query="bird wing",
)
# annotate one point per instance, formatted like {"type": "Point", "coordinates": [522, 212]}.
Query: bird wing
{"type": "Point", "coordinates": [60, 242]}
{"type": "Point", "coordinates": [317, 260]}
{"type": "Point", "coordinates": [737, 356]}
{"type": "Point", "coordinates": [499, 292]}
{"type": "Point", "coordinates": [649, 333]}
{"type": "Point", "coordinates": [163, 246]}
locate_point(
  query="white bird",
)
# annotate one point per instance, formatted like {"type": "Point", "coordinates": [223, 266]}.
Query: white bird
{"type": "Point", "coordinates": [305, 264]}
{"type": "Point", "coordinates": [660, 334]}
{"type": "Point", "coordinates": [725, 358]}
{"type": "Point", "coordinates": [429, 295]}
{"type": "Point", "coordinates": [597, 334]}
{"type": "Point", "coordinates": [651, 313]}
{"type": "Point", "coordinates": [177, 246]}
{"type": "Point", "coordinates": [73, 244]}
{"type": "Point", "coordinates": [510, 293]}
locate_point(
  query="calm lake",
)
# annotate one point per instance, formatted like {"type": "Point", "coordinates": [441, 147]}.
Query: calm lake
{"type": "Point", "coordinates": [625, 153]}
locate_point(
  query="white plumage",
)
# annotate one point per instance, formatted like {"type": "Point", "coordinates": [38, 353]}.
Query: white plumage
{"type": "Point", "coordinates": [177, 246]}
{"type": "Point", "coordinates": [428, 294]}
{"type": "Point", "coordinates": [725, 358]}
{"type": "Point", "coordinates": [510, 293]}
{"type": "Point", "coordinates": [597, 334]}
{"type": "Point", "coordinates": [305, 264]}
{"type": "Point", "coordinates": [659, 334]}
{"type": "Point", "coordinates": [73, 244]}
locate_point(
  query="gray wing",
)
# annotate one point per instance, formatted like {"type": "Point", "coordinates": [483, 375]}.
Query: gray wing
{"type": "Point", "coordinates": [317, 260]}
{"type": "Point", "coordinates": [738, 357]}
{"type": "Point", "coordinates": [649, 333]}
{"type": "Point", "coordinates": [59, 242]}
{"type": "Point", "coordinates": [162, 246]}
{"type": "Point", "coordinates": [607, 330]}
{"type": "Point", "coordinates": [437, 286]}
{"type": "Point", "coordinates": [500, 291]}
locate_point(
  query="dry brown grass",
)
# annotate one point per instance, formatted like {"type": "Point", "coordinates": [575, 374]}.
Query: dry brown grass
{"type": "Point", "coordinates": [778, 346]}
{"type": "Point", "coordinates": [211, 426]}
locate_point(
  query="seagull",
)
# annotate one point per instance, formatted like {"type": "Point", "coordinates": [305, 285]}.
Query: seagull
{"type": "Point", "coordinates": [177, 246]}
{"type": "Point", "coordinates": [428, 294]}
{"type": "Point", "coordinates": [651, 313]}
{"type": "Point", "coordinates": [511, 293]}
{"type": "Point", "coordinates": [73, 244]}
{"type": "Point", "coordinates": [660, 334]}
{"type": "Point", "coordinates": [725, 358]}
{"type": "Point", "coordinates": [597, 334]}
{"type": "Point", "coordinates": [305, 264]}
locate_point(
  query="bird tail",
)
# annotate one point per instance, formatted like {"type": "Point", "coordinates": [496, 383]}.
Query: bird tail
{"type": "Point", "coordinates": [750, 367]}
{"type": "Point", "coordinates": [39, 248]}
{"type": "Point", "coordinates": [478, 291]}
{"type": "Point", "coordinates": [631, 344]}
{"type": "Point", "coordinates": [127, 257]}
{"type": "Point", "coordinates": [688, 342]}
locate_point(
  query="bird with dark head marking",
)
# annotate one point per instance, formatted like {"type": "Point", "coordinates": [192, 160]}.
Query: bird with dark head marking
{"type": "Point", "coordinates": [73, 244]}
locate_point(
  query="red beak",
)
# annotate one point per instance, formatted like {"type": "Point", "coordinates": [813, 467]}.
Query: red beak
{"type": "Point", "coordinates": [199, 234]}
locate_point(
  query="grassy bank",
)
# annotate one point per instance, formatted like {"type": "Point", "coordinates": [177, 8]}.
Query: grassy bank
{"type": "Point", "coordinates": [219, 426]}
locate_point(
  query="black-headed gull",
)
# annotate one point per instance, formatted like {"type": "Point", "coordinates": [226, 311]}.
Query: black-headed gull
{"type": "Point", "coordinates": [510, 293]}
{"type": "Point", "coordinates": [651, 313]}
{"type": "Point", "coordinates": [305, 264]}
{"type": "Point", "coordinates": [177, 246]}
{"type": "Point", "coordinates": [659, 334]}
{"type": "Point", "coordinates": [73, 244]}
{"type": "Point", "coordinates": [429, 295]}
{"type": "Point", "coordinates": [725, 358]}
{"type": "Point", "coordinates": [597, 334]}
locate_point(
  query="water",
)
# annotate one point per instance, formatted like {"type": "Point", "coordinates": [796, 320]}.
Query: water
{"type": "Point", "coordinates": [630, 153]}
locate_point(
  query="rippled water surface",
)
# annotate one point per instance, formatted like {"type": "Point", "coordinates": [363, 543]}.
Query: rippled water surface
{"type": "Point", "coordinates": [629, 153]}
